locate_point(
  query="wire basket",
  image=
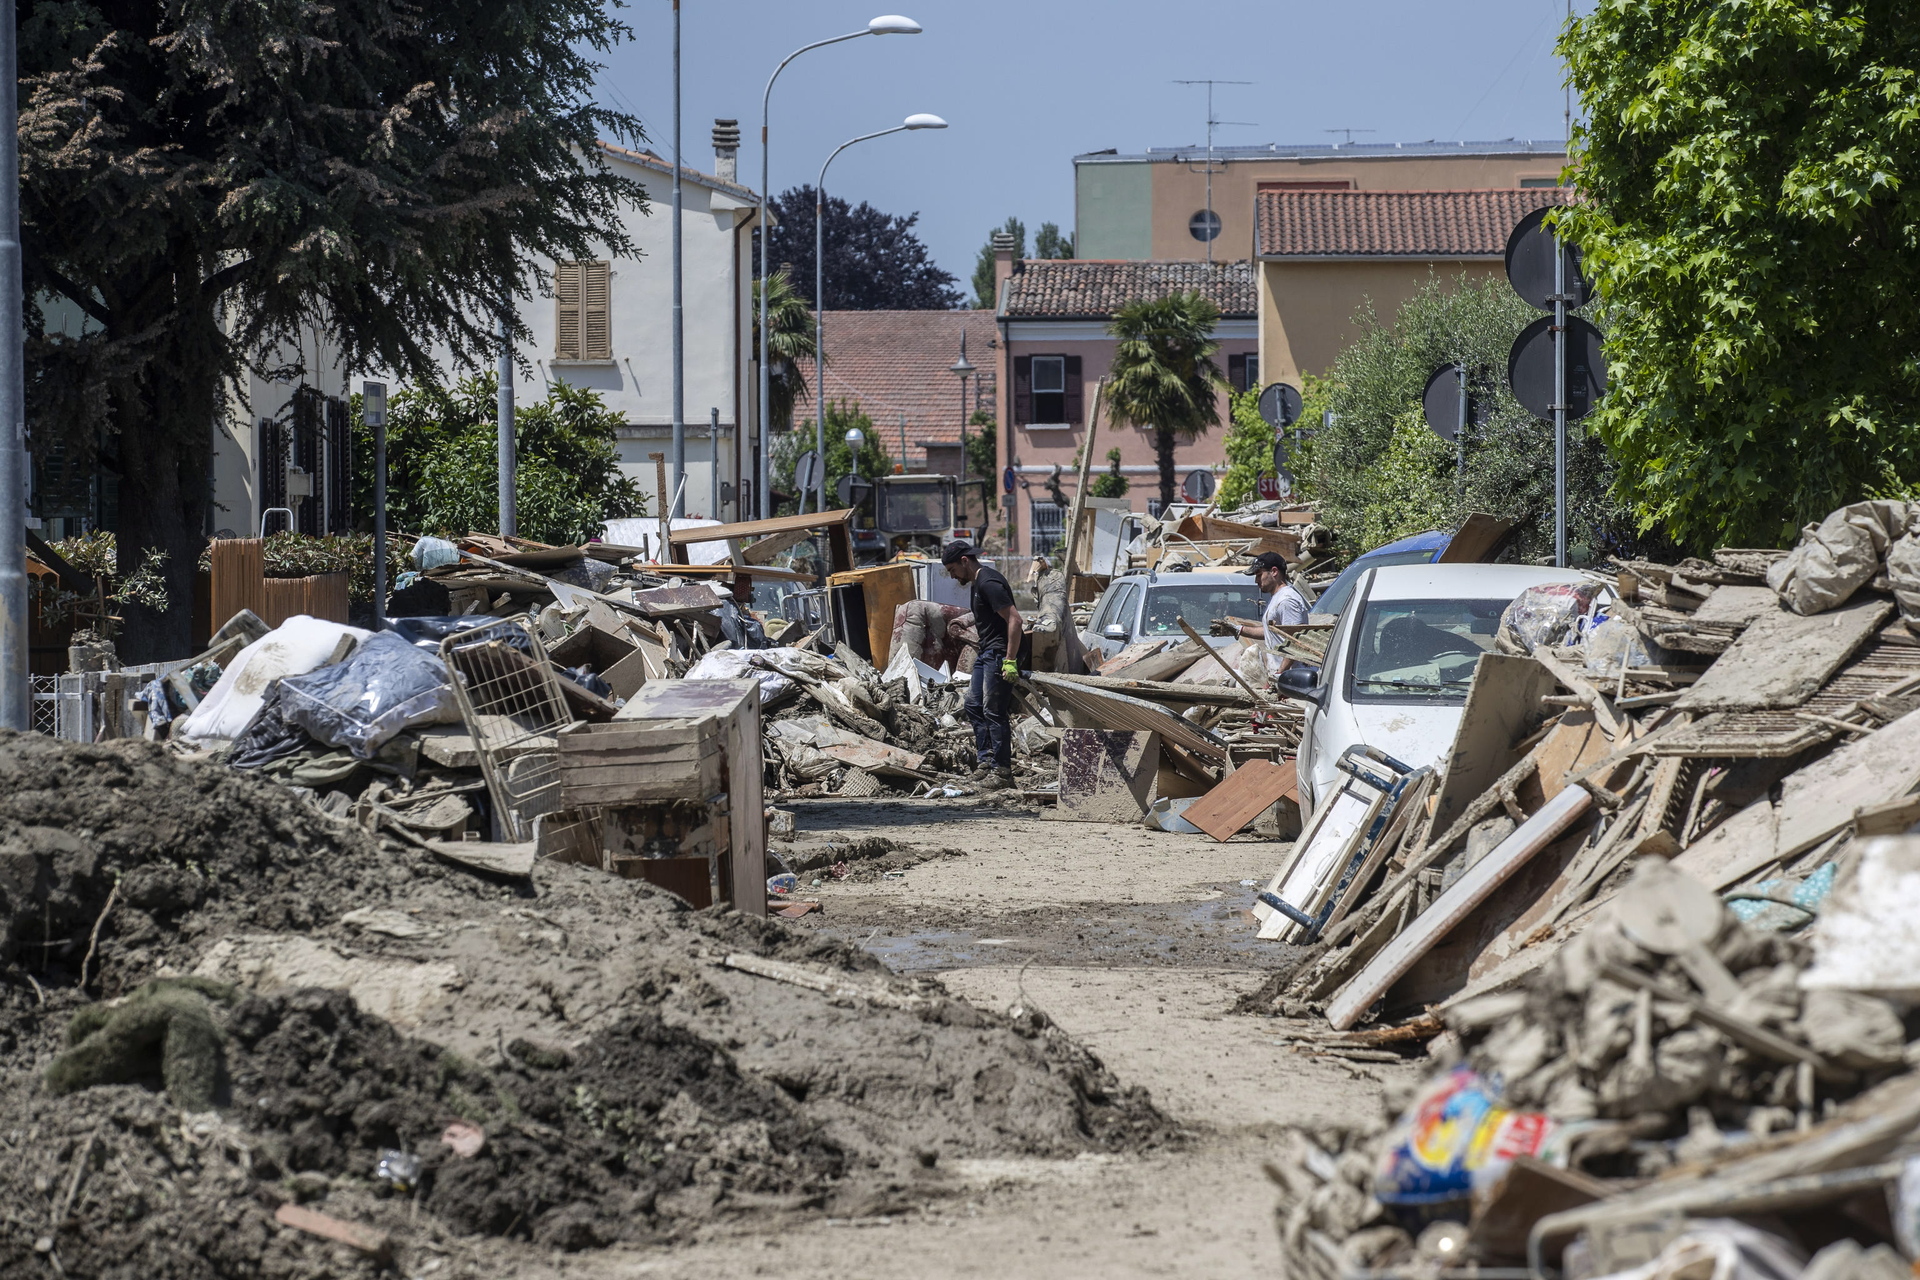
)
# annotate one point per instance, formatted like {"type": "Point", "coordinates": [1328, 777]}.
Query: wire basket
{"type": "Point", "coordinates": [514, 709]}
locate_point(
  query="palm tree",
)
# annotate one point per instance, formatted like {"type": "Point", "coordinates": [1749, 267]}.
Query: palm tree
{"type": "Point", "coordinates": [1163, 376]}
{"type": "Point", "coordinates": [790, 344]}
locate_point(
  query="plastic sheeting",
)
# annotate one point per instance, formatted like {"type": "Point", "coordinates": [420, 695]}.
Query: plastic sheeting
{"type": "Point", "coordinates": [1552, 613]}
{"type": "Point", "coordinates": [1838, 556]}
{"type": "Point", "coordinates": [387, 685]}
{"type": "Point", "coordinates": [737, 664]}
{"type": "Point", "coordinates": [295, 647]}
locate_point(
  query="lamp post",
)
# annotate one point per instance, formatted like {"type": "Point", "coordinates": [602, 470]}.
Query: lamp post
{"type": "Point", "coordinates": [964, 369]}
{"type": "Point", "coordinates": [915, 122]}
{"type": "Point", "coordinates": [891, 24]}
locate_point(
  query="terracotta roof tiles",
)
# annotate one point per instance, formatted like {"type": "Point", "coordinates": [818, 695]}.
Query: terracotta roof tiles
{"type": "Point", "coordinates": [1394, 224]}
{"type": "Point", "coordinates": [1091, 289]}
{"type": "Point", "coordinates": [898, 362]}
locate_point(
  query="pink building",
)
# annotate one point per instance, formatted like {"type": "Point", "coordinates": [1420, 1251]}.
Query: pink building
{"type": "Point", "coordinates": [1054, 348]}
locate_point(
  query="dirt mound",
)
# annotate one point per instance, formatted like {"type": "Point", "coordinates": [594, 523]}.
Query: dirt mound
{"type": "Point", "coordinates": [630, 1082]}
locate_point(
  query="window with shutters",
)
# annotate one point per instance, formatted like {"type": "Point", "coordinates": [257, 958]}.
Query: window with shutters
{"type": "Point", "coordinates": [1243, 372]}
{"type": "Point", "coordinates": [1047, 391]}
{"type": "Point", "coordinates": [582, 299]}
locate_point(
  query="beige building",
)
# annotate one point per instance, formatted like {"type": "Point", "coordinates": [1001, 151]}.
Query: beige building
{"type": "Point", "coordinates": [1154, 205]}
{"type": "Point", "coordinates": [1323, 255]}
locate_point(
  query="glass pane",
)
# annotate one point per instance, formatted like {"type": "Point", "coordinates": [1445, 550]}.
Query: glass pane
{"type": "Point", "coordinates": [918, 508]}
{"type": "Point", "coordinates": [1199, 605]}
{"type": "Point", "coordinates": [1421, 650]}
{"type": "Point", "coordinates": [1049, 374]}
{"type": "Point", "coordinates": [1334, 598]}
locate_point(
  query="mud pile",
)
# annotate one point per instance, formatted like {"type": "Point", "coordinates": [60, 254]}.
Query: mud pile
{"type": "Point", "coordinates": [628, 1083]}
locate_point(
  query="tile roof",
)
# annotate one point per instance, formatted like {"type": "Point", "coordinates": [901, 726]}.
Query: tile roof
{"type": "Point", "coordinates": [897, 362]}
{"type": "Point", "coordinates": [1394, 224]}
{"type": "Point", "coordinates": [1088, 289]}
{"type": "Point", "coordinates": [1552, 147]}
{"type": "Point", "coordinates": [648, 160]}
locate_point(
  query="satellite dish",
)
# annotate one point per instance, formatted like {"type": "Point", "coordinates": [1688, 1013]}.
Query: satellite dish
{"type": "Point", "coordinates": [1530, 251]}
{"type": "Point", "coordinates": [1530, 368]}
{"type": "Point", "coordinates": [1198, 486]}
{"type": "Point", "coordinates": [1280, 404]}
{"type": "Point", "coordinates": [1441, 401]}
{"type": "Point", "coordinates": [806, 472]}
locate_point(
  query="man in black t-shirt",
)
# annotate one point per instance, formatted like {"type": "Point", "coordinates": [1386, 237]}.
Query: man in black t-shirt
{"type": "Point", "coordinates": [1002, 633]}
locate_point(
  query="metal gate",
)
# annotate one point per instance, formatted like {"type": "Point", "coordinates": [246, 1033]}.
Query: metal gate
{"type": "Point", "coordinates": [1046, 527]}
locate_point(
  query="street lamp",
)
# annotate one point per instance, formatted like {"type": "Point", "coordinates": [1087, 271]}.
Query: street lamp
{"type": "Point", "coordinates": [964, 369]}
{"type": "Point", "coordinates": [889, 24]}
{"type": "Point", "coordinates": [916, 122]}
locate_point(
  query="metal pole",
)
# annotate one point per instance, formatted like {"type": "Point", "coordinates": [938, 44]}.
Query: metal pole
{"type": "Point", "coordinates": [1460, 436]}
{"type": "Point", "coordinates": [373, 408]}
{"type": "Point", "coordinates": [503, 429]}
{"type": "Point", "coordinates": [16, 696]}
{"type": "Point", "coordinates": [1559, 402]}
{"type": "Point", "coordinates": [820, 336]}
{"type": "Point", "coordinates": [713, 447]}
{"type": "Point", "coordinates": [679, 331]}
{"type": "Point", "coordinates": [965, 517]}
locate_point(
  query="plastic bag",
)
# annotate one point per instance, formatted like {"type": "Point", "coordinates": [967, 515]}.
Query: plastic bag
{"type": "Point", "coordinates": [1838, 556]}
{"type": "Point", "coordinates": [431, 553]}
{"type": "Point", "coordinates": [1614, 641]}
{"type": "Point", "coordinates": [267, 737]}
{"type": "Point", "coordinates": [1454, 1140]}
{"type": "Point", "coordinates": [427, 632]}
{"type": "Point", "coordinates": [295, 647]}
{"type": "Point", "coordinates": [736, 664]}
{"type": "Point", "coordinates": [1550, 614]}
{"type": "Point", "coordinates": [387, 685]}
{"type": "Point", "coordinates": [586, 572]}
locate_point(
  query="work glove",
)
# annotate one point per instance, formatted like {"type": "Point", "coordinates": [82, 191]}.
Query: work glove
{"type": "Point", "coordinates": [1222, 627]}
{"type": "Point", "coordinates": [1010, 671]}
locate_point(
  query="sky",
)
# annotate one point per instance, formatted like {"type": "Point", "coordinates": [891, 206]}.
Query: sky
{"type": "Point", "coordinates": [1025, 85]}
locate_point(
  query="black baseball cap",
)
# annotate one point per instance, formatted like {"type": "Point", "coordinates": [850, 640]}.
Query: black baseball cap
{"type": "Point", "coordinates": [958, 549]}
{"type": "Point", "coordinates": [1266, 560]}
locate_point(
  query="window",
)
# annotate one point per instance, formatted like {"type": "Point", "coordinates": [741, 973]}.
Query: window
{"type": "Point", "coordinates": [1200, 605]}
{"type": "Point", "coordinates": [1204, 225]}
{"type": "Point", "coordinates": [1047, 391]}
{"type": "Point", "coordinates": [1119, 609]}
{"type": "Point", "coordinates": [1325, 184]}
{"type": "Point", "coordinates": [1421, 650]}
{"type": "Point", "coordinates": [1243, 372]}
{"type": "Point", "coordinates": [1046, 522]}
{"type": "Point", "coordinates": [1539, 182]}
{"type": "Point", "coordinates": [583, 328]}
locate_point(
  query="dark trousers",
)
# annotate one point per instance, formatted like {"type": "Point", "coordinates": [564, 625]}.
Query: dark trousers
{"type": "Point", "coordinates": [988, 698]}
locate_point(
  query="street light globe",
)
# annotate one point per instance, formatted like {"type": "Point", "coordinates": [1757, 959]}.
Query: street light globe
{"type": "Point", "coordinates": [922, 120]}
{"type": "Point", "coordinates": [892, 24]}
{"type": "Point", "coordinates": [855, 438]}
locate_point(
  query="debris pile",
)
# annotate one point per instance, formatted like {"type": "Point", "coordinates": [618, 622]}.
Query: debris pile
{"type": "Point", "coordinates": [1649, 919]}
{"type": "Point", "coordinates": [413, 1053]}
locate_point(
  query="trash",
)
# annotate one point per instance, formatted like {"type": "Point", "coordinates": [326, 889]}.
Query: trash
{"type": "Point", "coordinates": [1553, 613]}
{"type": "Point", "coordinates": [466, 1140]}
{"type": "Point", "coordinates": [387, 686]}
{"type": "Point", "coordinates": [297, 646]}
{"type": "Point", "coordinates": [781, 885]}
{"type": "Point", "coordinates": [432, 553]}
{"type": "Point", "coordinates": [1454, 1140]}
{"type": "Point", "coordinates": [1838, 556]}
{"type": "Point", "coordinates": [1170, 816]}
{"type": "Point", "coordinates": [398, 1169]}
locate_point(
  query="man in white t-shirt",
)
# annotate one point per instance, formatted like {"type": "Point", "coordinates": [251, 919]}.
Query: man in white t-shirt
{"type": "Point", "coordinates": [1286, 607]}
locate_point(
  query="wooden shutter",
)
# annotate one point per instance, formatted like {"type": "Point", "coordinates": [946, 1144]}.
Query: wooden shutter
{"type": "Point", "coordinates": [566, 303]}
{"type": "Point", "coordinates": [1075, 405]}
{"type": "Point", "coordinates": [1237, 372]}
{"type": "Point", "coordinates": [1022, 390]}
{"type": "Point", "coordinates": [596, 320]}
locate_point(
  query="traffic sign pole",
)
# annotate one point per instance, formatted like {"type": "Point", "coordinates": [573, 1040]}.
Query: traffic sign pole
{"type": "Point", "coordinates": [1559, 402]}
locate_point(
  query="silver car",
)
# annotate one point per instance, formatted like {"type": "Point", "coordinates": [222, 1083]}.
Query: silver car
{"type": "Point", "coordinates": [1149, 606]}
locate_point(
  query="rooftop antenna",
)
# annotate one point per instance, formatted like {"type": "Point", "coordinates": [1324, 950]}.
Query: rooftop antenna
{"type": "Point", "coordinates": [1348, 132]}
{"type": "Point", "coordinates": [1213, 223]}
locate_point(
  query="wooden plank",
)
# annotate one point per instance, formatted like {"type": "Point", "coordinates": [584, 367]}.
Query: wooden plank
{"type": "Point", "coordinates": [1248, 791]}
{"type": "Point", "coordinates": [1736, 606]}
{"type": "Point", "coordinates": [1454, 905]}
{"type": "Point", "coordinates": [1600, 704]}
{"type": "Point", "coordinates": [1504, 704]}
{"type": "Point", "coordinates": [367, 1240]}
{"type": "Point", "coordinates": [1100, 709]}
{"type": "Point", "coordinates": [515, 859]}
{"type": "Point", "coordinates": [805, 522]}
{"type": "Point", "coordinates": [1783, 659]}
{"type": "Point", "coordinates": [745, 882]}
{"type": "Point", "coordinates": [1478, 540]}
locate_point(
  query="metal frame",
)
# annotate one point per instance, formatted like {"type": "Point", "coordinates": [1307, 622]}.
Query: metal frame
{"type": "Point", "coordinates": [1343, 868]}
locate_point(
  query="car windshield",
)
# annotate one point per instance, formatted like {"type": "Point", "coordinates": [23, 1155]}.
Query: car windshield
{"type": "Point", "coordinates": [1421, 650]}
{"type": "Point", "coordinates": [1334, 599]}
{"type": "Point", "coordinates": [1199, 604]}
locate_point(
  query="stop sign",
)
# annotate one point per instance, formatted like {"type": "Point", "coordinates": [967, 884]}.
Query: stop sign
{"type": "Point", "coordinates": [1270, 488]}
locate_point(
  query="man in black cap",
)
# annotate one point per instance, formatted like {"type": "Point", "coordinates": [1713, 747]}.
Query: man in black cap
{"type": "Point", "coordinates": [1286, 607]}
{"type": "Point", "coordinates": [1002, 634]}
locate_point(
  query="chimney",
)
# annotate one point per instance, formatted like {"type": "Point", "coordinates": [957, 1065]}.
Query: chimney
{"type": "Point", "coordinates": [1004, 264]}
{"type": "Point", "coordinates": [726, 150]}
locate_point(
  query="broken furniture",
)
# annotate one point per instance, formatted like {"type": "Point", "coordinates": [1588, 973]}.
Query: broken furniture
{"type": "Point", "coordinates": [1334, 850]}
{"type": "Point", "coordinates": [675, 780]}
{"type": "Point", "coordinates": [863, 604]}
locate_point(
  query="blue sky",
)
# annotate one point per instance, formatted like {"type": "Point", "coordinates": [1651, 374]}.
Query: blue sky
{"type": "Point", "coordinates": [1026, 85]}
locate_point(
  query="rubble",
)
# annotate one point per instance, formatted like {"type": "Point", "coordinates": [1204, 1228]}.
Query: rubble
{"type": "Point", "coordinates": [1648, 921]}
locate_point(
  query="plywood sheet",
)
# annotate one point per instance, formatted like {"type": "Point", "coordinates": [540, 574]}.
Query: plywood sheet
{"type": "Point", "coordinates": [1504, 704]}
{"type": "Point", "coordinates": [1783, 659]}
{"type": "Point", "coordinates": [1248, 791]}
{"type": "Point", "coordinates": [1107, 775]}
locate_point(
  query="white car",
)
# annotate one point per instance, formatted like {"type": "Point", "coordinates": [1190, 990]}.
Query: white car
{"type": "Point", "coordinates": [1400, 661]}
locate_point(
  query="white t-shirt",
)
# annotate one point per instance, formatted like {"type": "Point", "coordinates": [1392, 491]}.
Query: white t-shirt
{"type": "Point", "coordinates": [1287, 608]}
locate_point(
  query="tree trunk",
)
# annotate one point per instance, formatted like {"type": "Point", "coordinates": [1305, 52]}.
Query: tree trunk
{"type": "Point", "coordinates": [1163, 450]}
{"type": "Point", "coordinates": [163, 507]}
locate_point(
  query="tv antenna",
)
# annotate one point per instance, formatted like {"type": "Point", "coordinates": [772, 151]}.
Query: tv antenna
{"type": "Point", "coordinates": [1207, 227]}
{"type": "Point", "coordinates": [1349, 133]}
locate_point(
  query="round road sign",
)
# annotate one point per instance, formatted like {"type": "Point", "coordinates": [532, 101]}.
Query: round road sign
{"type": "Point", "coordinates": [1530, 368]}
{"type": "Point", "coordinates": [1530, 250]}
{"type": "Point", "coordinates": [1198, 486]}
{"type": "Point", "coordinates": [1280, 404]}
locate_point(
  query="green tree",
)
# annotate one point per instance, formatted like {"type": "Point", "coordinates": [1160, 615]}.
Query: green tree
{"type": "Point", "coordinates": [1109, 483]}
{"type": "Point", "coordinates": [1377, 383]}
{"type": "Point", "coordinates": [1163, 377]}
{"type": "Point", "coordinates": [1051, 242]}
{"type": "Point", "coordinates": [983, 262]}
{"type": "Point", "coordinates": [791, 345]}
{"type": "Point", "coordinates": [983, 453]}
{"type": "Point", "coordinates": [842, 416]}
{"type": "Point", "coordinates": [1249, 449]}
{"type": "Point", "coordinates": [1751, 193]}
{"type": "Point", "coordinates": [443, 473]}
{"type": "Point", "coordinates": [208, 190]}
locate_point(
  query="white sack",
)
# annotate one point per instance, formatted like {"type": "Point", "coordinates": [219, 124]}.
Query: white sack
{"type": "Point", "coordinates": [295, 647]}
{"type": "Point", "coordinates": [1838, 556]}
